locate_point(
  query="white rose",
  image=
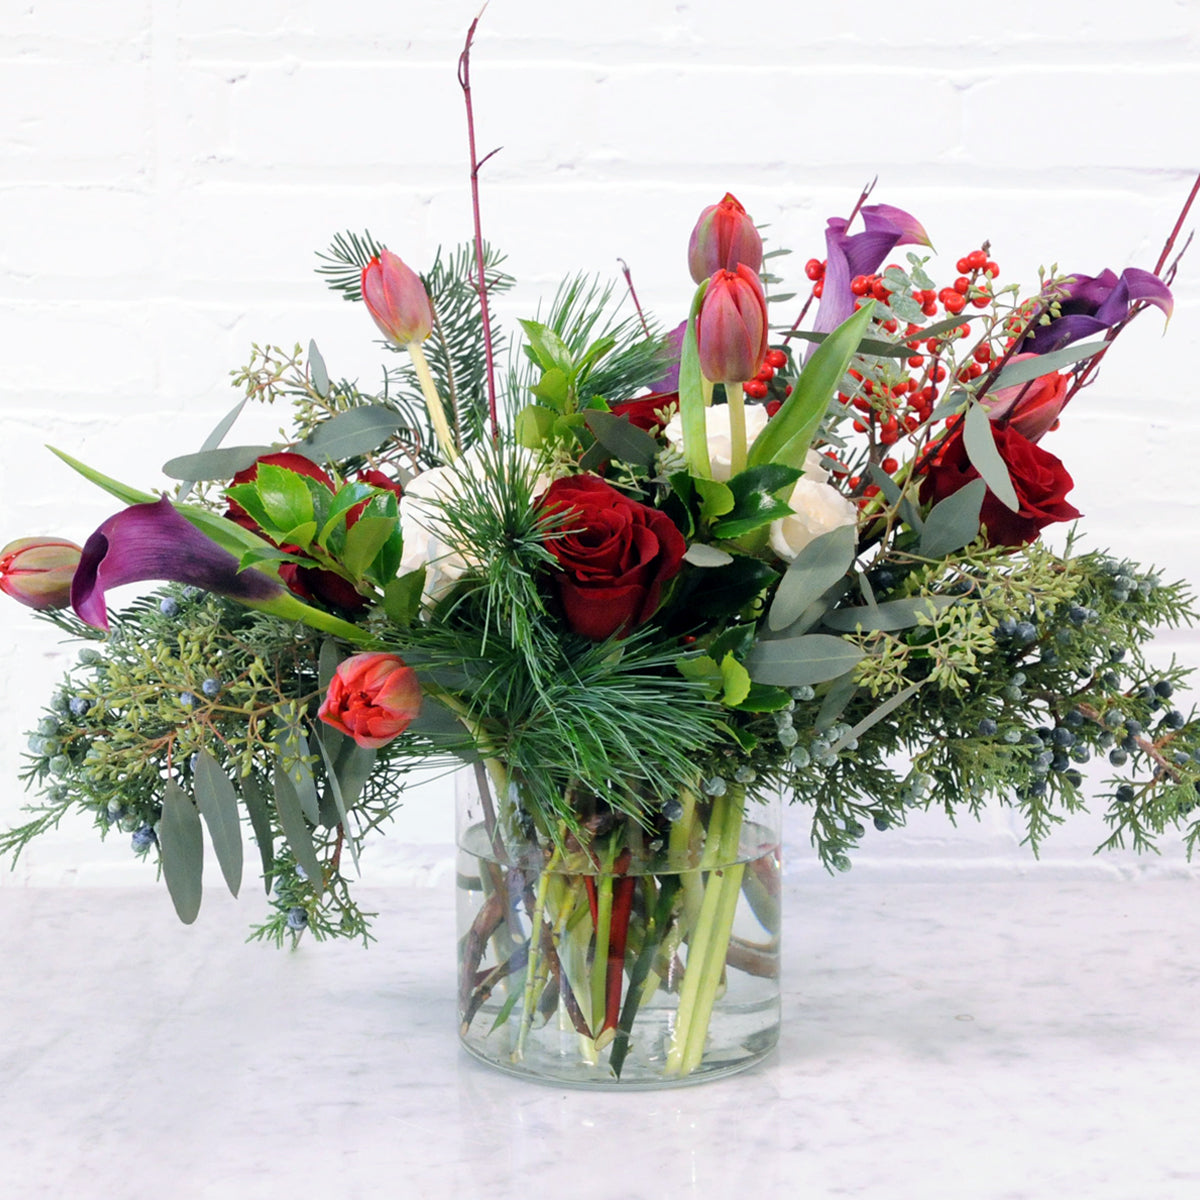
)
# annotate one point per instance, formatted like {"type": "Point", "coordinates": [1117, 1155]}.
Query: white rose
{"type": "Point", "coordinates": [817, 508]}
{"type": "Point", "coordinates": [720, 444]}
{"type": "Point", "coordinates": [422, 525]}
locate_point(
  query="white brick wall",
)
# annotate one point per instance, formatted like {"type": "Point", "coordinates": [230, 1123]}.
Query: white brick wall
{"type": "Point", "coordinates": [169, 169]}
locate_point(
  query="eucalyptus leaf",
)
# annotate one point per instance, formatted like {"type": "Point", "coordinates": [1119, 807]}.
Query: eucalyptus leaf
{"type": "Point", "coordinates": [840, 693]}
{"type": "Point", "coordinates": [328, 659]}
{"type": "Point", "coordinates": [214, 439]}
{"type": "Point", "coordinates": [622, 439]}
{"type": "Point", "coordinates": [338, 798]}
{"type": "Point", "coordinates": [355, 432]}
{"type": "Point", "coordinates": [255, 800]}
{"type": "Point", "coordinates": [222, 463]}
{"type": "Point", "coordinates": [295, 829]}
{"type": "Point", "coordinates": [796, 662]}
{"type": "Point", "coordinates": [353, 765]}
{"type": "Point", "coordinates": [293, 754]}
{"type": "Point", "coordinates": [181, 841]}
{"type": "Point", "coordinates": [888, 616]}
{"type": "Point", "coordinates": [813, 571]}
{"type": "Point", "coordinates": [317, 371]}
{"type": "Point", "coordinates": [1043, 364]}
{"type": "Point", "coordinates": [217, 801]}
{"type": "Point", "coordinates": [953, 522]}
{"type": "Point", "coordinates": [701, 554]}
{"type": "Point", "coordinates": [872, 346]}
{"type": "Point", "coordinates": [876, 715]}
{"type": "Point", "coordinates": [980, 445]}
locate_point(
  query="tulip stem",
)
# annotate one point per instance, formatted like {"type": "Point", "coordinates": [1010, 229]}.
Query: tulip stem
{"type": "Point", "coordinates": [433, 401]}
{"type": "Point", "coordinates": [737, 427]}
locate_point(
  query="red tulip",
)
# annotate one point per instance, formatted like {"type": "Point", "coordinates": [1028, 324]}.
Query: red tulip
{"type": "Point", "coordinates": [731, 330]}
{"type": "Point", "coordinates": [372, 698]}
{"type": "Point", "coordinates": [396, 299]}
{"type": "Point", "coordinates": [724, 236]}
{"type": "Point", "coordinates": [37, 572]}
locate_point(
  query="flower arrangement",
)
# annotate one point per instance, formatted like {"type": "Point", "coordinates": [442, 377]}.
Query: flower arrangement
{"type": "Point", "coordinates": [638, 584]}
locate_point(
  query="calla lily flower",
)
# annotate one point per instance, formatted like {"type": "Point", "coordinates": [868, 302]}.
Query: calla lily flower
{"type": "Point", "coordinates": [1092, 304]}
{"type": "Point", "coordinates": [851, 254]}
{"type": "Point", "coordinates": [152, 541]}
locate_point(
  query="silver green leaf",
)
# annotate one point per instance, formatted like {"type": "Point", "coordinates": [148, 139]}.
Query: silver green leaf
{"type": "Point", "coordinates": [182, 843]}
{"type": "Point", "coordinates": [796, 662]}
{"type": "Point", "coordinates": [317, 371]}
{"type": "Point", "coordinates": [353, 432]}
{"type": "Point", "coordinates": [295, 828]}
{"type": "Point", "coordinates": [890, 615]}
{"type": "Point", "coordinates": [813, 571]}
{"type": "Point", "coordinates": [218, 804]}
{"type": "Point", "coordinates": [980, 446]}
{"type": "Point", "coordinates": [953, 522]}
{"type": "Point", "coordinates": [293, 753]}
{"type": "Point", "coordinates": [255, 800]}
{"type": "Point", "coordinates": [223, 463]}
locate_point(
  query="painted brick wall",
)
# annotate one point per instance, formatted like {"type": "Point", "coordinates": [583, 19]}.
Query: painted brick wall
{"type": "Point", "coordinates": [169, 169]}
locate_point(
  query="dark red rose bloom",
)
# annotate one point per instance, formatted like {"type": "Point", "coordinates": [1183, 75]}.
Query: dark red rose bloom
{"type": "Point", "coordinates": [643, 411]}
{"type": "Point", "coordinates": [616, 556]}
{"type": "Point", "coordinates": [1040, 480]}
{"type": "Point", "coordinates": [311, 584]}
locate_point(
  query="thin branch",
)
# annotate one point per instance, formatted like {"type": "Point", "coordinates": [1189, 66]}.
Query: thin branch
{"type": "Point", "coordinates": [633, 294]}
{"type": "Point", "coordinates": [464, 80]}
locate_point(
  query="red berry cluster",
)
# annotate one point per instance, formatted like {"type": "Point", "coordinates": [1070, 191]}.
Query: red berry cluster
{"type": "Point", "coordinates": [765, 384]}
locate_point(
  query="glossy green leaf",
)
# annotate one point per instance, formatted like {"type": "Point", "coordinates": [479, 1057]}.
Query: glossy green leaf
{"type": "Point", "coordinates": [888, 616]}
{"type": "Point", "coordinates": [355, 432]}
{"type": "Point", "coordinates": [285, 499]}
{"type": "Point", "coordinates": [953, 522]}
{"type": "Point", "coordinates": [348, 496]}
{"type": "Point", "coordinates": [817, 567]}
{"type": "Point", "coordinates": [760, 510]}
{"type": "Point", "coordinates": [763, 698]}
{"type": "Point", "coordinates": [980, 445]}
{"type": "Point", "coordinates": [548, 348]}
{"type": "Point", "coordinates": [715, 499]}
{"type": "Point", "coordinates": [754, 481]}
{"type": "Point", "coordinates": [255, 800]}
{"type": "Point", "coordinates": [729, 589]}
{"type": "Point", "coordinates": [622, 439]}
{"type": "Point", "coordinates": [735, 680]}
{"type": "Point", "coordinates": [316, 371]}
{"type": "Point", "coordinates": [364, 541]}
{"type": "Point", "coordinates": [181, 841]}
{"type": "Point", "coordinates": [218, 804]}
{"type": "Point", "coordinates": [790, 431]}
{"type": "Point", "coordinates": [534, 425]}
{"type": "Point", "coordinates": [295, 828]}
{"type": "Point", "coordinates": [796, 662]}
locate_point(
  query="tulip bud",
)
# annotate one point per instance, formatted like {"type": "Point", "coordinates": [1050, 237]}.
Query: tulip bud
{"type": "Point", "coordinates": [372, 698]}
{"type": "Point", "coordinates": [724, 236]}
{"type": "Point", "coordinates": [731, 330]}
{"type": "Point", "coordinates": [38, 571]}
{"type": "Point", "coordinates": [396, 299]}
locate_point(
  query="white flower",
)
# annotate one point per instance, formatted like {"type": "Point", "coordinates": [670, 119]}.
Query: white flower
{"type": "Point", "coordinates": [720, 445]}
{"type": "Point", "coordinates": [817, 508]}
{"type": "Point", "coordinates": [422, 527]}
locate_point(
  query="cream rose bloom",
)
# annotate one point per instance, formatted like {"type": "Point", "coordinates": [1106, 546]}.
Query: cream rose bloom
{"type": "Point", "coordinates": [817, 508]}
{"type": "Point", "coordinates": [720, 443]}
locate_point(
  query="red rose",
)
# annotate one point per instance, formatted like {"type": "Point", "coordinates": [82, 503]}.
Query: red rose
{"type": "Point", "coordinates": [372, 698]}
{"type": "Point", "coordinates": [616, 555]}
{"type": "Point", "coordinates": [643, 412]}
{"type": "Point", "coordinates": [1040, 480]}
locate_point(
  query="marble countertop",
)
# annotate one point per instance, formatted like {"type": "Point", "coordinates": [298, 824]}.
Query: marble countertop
{"type": "Point", "coordinates": [1007, 1041]}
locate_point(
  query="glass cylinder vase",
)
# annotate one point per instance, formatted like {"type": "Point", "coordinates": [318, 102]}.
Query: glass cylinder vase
{"type": "Point", "coordinates": [627, 953]}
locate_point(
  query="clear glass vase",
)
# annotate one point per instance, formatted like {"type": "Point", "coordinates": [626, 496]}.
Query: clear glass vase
{"type": "Point", "coordinates": [637, 955]}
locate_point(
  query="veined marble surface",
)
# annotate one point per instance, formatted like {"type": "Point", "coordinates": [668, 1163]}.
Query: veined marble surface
{"type": "Point", "coordinates": [973, 1041]}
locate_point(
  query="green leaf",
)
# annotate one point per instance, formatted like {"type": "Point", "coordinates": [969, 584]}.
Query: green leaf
{"type": "Point", "coordinates": [339, 800]}
{"type": "Point", "coordinates": [300, 535]}
{"type": "Point", "coordinates": [122, 491]}
{"type": "Point", "coordinates": [533, 426]}
{"type": "Point", "coordinates": [255, 801]}
{"type": "Point", "coordinates": [817, 567]}
{"type": "Point", "coordinates": [840, 692]}
{"type": "Point", "coordinates": [223, 463]}
{"type": "Point", "coordinates": [622, 439]}
{"type": "Point", "coordinates": [316, 370]}
{"type": "Point", "coordinates": [353, 766]}
{"type": "Point", "coordinates": [891, 490]}
{"type": "Point", "coordinates": [769, 478]}
{"type": "Point", "coordinates": [328, 659]}
{"type": "Point", "coordinates": [352, 433]}
{"type": "Point", "coordinates": [736, 681]}
{"type": "Point", "coordinates": [285, 499]}
{"type": "Point", "coordinates": [293, 754]}
{"type": "Point", "coordinates": [875, 347]}
{"type": "Point", "coordinates": [953, 522]}
{"type": "Point", "coordinates": [595, 352]}
{"type": "Point", "coordinates": [790, 431]}
{"type": "Point", "coordinates": [701, 668]}
{"type": "Point", "coordinates": [729, 589]}
{"type": "Point", "coordinates": [701, 554]}
{"type": "Point", "coordinates": [890, 615]}
{"type": "Point", "coordinates": [348, 496]}
{"type": "Point", "coordinates": [1044, 364]}
{"type": "Point", "coordinates": [980, 445]}
{"type": "Point", "coordinates": [768, 509]}
{"type": "Point", "coordinates": [762, 698]}
{"type": "Point", "coordinates": [715, 499]}
{"type": "Point", "coordinates": [181, 841]}
{"type": "Point", "coordinates": [548, 348]}
{"type": "Point", "coordinates": [364, 541]}
{"type": "Point", "coordinates": [218, 804]}
{"type": "Point", "coordinates": [402, 597]}
{"type": "Point", "coordinates": [692, 415]}
{"type": "Point", "coordinates": [295, 829]}
{"type": "Point", "coordinates": [795, 662]}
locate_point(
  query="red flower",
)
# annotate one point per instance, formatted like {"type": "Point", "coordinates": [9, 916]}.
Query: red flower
{"type": "Point", "coordinates": [1029, 408]}
{"type": "Point", "coordinates": [731, 330]}
{"type": "Point", "coordinates": [396, 299]}
{"type": "Point", "coordinates": [723, 237]}
{"type": "Point", "coordinates": [1040, 480]}
{"type": "Point", "coordinates": [37, 572]}
{"type": "Point", "coordinates": [616, 556]}
{"type": "Point", "coordinates": [372, 698]}
{"type": "Point", "coordinates": [643, 412]}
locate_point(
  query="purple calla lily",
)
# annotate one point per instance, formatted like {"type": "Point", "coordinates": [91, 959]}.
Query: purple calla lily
{"type": "Point", "coordinates": [152, 541]}
{"type": "Point", "coordinates": [1091, 304]}
{"type": "Point", "coordinates": [848, 255]}
{"type": "Point", "coordinates": [673, 344]}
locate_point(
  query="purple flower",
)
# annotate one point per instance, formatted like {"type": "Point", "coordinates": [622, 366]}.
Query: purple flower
{"type": "Point", "coordinates": [152, 541]}
{"type": "Point", "coordinates": [851, 254]}
{"type": "Point", "coordinates": [673, 344]}
{"type": "Point", "coordinates": [1093, 303]}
